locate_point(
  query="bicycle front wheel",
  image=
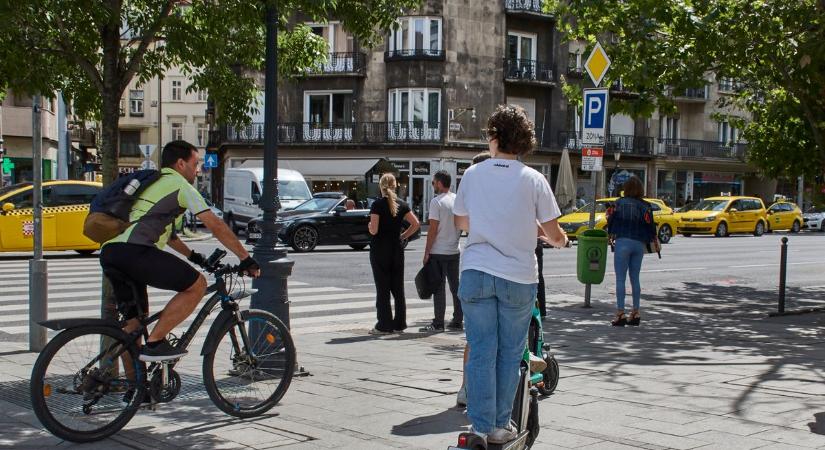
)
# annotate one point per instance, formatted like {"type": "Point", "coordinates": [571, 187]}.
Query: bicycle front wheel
{"type": "Point", "coordinates": [252, 365]}
{"type": "Point", "coordinates": [78, 392]}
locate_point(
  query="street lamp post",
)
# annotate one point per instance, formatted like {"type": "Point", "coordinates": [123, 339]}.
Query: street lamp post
{"type": "Point", "coordinates": [271, 286]}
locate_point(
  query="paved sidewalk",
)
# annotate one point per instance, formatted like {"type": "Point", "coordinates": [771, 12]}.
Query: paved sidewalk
{"type": "Point", "coordinates": [702, 371]}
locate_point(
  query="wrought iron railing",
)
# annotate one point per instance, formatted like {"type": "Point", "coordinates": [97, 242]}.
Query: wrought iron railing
{"type": "Point", "coordinates": [534, 6]}
{"type": "Point", "coordinates": [692, 148]}
{"type": "Point", "coordinates": [528, 70]}
{"type": "Point", "coordinates": [335, 133]}
{"type": "Point", "coordinates": [342, 63]}
{"type": "Point", "coordinates": [83, 136]}
{"type": "Point", "coordinates": [621, 143]}
{"type": "Point", "coordinates": [693, 93]}
{"type": "Point", "coordinates": [414, 53]}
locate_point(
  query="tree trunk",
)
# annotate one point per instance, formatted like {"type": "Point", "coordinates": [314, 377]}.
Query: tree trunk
{"type": "Point", "coordinates": [109, 137]}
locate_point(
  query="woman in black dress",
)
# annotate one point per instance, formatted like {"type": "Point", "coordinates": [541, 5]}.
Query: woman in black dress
{"type": "Point", "coordinates": [387, 215]}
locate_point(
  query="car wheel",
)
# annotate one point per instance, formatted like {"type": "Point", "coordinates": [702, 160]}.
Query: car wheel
{"type": "Point", "coordinates": [722, 229]}
{"type": "Point", "coordinates": [687, 234]}
{"type": "Point", "coordinates": [795, 227]}
{"type": "Point", "coordinates": [86, 252]}
{"type": "Point", "coordinates": [358, 246]}
{"type": "Point", "coordinates": [760, 229]}
{"type": "Point", "coordinates": [665, 233]}
{"type": "Point", "coordinates": [304, 239]}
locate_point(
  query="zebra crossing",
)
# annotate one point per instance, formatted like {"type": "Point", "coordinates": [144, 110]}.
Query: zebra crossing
{"type": "Point", "coordinates": [74, 287]}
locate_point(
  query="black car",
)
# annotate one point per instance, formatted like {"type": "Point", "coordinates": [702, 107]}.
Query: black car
{"type": "Point", "coordinates": [322, 220]}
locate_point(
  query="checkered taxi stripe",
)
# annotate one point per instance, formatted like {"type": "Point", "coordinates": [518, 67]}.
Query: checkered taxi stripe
{"type": "Point", "coordinates": [49, 210]}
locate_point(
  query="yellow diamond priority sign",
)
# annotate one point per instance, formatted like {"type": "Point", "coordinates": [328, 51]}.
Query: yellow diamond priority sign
{"type": "Point", "coordinates": [597, 64]}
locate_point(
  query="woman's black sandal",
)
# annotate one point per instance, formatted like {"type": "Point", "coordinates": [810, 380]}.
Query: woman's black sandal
{"type": "Point", "coordinates": [635, 320]}
{"type": "Point", "coordinates": [619, 321]}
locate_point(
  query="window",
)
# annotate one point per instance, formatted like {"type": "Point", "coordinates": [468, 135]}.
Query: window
{"type": "Point", "coordinates": [728, 135]}
{"type": "Point", "coordinates": [129, 141]}
{"type": "Point", "coordinates": [21, 200]}
{"type": "Point", "coordinates": [521, 46]}
{"type": "Point", "coordinates": [417, 36]}
{"type": "Point", "coordinates": [122, 108]}
{"type": "Point", "coordinates": [177, 131]}
{"type": "Point", "coordinates": [135, 103]}
{"type": "Point", "coordinates": [202, 96]}
{"type": "Point", "coordinates": [73, 194]}
{"type": "Point", "coordinates": [177, 90]}
{"type": "Point", "coordinates": [729, 85]}
{"type": "Point", "coordinates": [418, 106]}
{"type": "Point", "coordinates": [574, 60]}
{"type": "Point", "coordinates": [328, 107]}
{"type": "Point", "coordinates": [203, 134]}
{"type": "Point", "coordinates": [668, 128]}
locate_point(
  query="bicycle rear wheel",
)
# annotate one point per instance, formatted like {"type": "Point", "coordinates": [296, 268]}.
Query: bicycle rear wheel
{"type": "Point", "coordinates": [75, 390]}
{"type": "Point", "coordinates": [252, 365]}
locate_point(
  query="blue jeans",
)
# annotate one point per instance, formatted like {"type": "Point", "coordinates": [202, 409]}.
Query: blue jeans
{"type": "Point", "coordinates": [628, 256]}
{"type": "Point", "coordinates": [497, 317]}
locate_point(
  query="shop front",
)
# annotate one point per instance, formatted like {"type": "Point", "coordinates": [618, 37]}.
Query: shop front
{"type": "Point", "coordinates": [675, 187]}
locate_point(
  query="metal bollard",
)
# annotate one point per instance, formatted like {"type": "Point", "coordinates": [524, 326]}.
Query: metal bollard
{"type": "Point", "coordinates": [783, 263]}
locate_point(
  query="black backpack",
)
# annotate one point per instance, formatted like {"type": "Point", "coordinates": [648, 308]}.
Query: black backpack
{"type": "Point", "coordinates": [110, 208]}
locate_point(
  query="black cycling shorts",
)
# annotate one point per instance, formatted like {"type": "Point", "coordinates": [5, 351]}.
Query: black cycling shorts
{"type": "Point", "coordinates": [143, 266]}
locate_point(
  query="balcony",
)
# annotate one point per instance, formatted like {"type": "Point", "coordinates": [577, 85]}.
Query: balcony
{"type": "Point", "coordinates": [691, 148]}
{"type": "Point", "coordinates": [84, 137]}
{"type": "Point", "coordinates": [341, 64]}
{"type": "Point", "coordinates": [526, 7]}
{"type": "Point", "coordinates": [528, 71]}
{"type": "Point", "coordinates": [411, 54]}
{"type": "Point", "coordinates": [334, 133]}
{"type": "Point", "coordinates": [692, 95]}
{"type": "Point", "coordinates": [616, 143]}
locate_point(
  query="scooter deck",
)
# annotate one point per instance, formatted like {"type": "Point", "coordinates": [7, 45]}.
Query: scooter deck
{"type": "Point", "coordinates": [517, 444]}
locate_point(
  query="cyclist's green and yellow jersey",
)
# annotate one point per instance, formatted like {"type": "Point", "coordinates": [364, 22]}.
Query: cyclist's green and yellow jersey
{"type": "Point", "coordinates": [157, 209]}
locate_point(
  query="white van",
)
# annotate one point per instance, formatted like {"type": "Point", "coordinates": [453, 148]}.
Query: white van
{"type": "Point", "coordinates": [243, 187]}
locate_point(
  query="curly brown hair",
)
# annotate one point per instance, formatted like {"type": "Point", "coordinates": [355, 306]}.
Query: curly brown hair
{"type": "Point", "coordinates": [514, 131]}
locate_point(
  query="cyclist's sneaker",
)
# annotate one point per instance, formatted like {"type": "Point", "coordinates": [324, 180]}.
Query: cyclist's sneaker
{"type": "Point", "coordinates": [377, 332]}
{"type": "Point", "coordinates": [461, 396]}
{"type": "Point", "coordinates": [537, 364]}
{"type": "Point", "coordinates": [503, 435]}
{"type": "Point", "coordinates": [455, 326]}
{"type": "Point", "coordinates": [432, 328]}
{"type": "Point", "coordinates": [161, 351]}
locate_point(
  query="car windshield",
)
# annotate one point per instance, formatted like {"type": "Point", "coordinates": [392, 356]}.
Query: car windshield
{"type": "Point", "coordinates": [13, 187]}
{"type": "Point", "coordinates": [293, 190]}
{"type": "Point", "coordinates": [711, 205]}
{"type": "Point", "coordinates": [600, 207]}
{"type": "Point", "coordinates": [318, 204]}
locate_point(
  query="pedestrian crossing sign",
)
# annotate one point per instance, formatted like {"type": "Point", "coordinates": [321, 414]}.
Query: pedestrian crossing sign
{"type": "Point", "coordinates": [210, 160]}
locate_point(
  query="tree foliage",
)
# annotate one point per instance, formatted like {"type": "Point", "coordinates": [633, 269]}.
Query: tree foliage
{"type": "Point", "coordinates": [774, 49]}
{"type": "Point", "coordinates": [92, 49]}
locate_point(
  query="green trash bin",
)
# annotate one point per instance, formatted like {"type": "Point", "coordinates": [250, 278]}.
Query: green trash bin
{"type": "Point", "coordinates": [591, 256]}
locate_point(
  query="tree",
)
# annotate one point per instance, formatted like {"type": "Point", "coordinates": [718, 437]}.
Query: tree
{"type": "Point", "coordinates": [773, 49]}
{"type": "Point", "coordinates": [92, 49]}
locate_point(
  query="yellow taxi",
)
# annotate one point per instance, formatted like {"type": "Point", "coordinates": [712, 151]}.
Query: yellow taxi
{"type": "Point", "coordinates": [65, 206]}
{"type": "Point", "coordinates": [576, 222]}
{"type": "Point", "coordinates": [722, 216]}
{"type": "Point", "coordinates": [784, 215]}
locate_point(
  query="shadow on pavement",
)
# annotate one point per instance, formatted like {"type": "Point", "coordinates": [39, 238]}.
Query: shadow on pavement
{"type": "Point", "coordinates": [449, 421]}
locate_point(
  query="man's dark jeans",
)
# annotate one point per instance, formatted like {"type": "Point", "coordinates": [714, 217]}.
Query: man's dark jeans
{"type": "Point", "coordinates": [447, 268]}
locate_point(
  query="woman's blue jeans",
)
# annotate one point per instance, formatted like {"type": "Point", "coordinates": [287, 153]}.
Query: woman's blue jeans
{"type": "Point", "coordinates": [628, 257]}
{"type": "Point", "coordinates": [496, 319]}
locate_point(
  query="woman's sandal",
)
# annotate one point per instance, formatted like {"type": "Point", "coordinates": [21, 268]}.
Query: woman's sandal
{"type": "Point", "coordinates": [635, 319]}
{"type": "Point", "coordinates": [619, 321]}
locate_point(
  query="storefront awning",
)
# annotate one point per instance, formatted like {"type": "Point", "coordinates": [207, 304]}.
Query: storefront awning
{"type": "Point", "coordinates": [330, 169]}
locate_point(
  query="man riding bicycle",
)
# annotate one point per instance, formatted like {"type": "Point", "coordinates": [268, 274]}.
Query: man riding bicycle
{"type": "Point", "coordinates": [138, 251]}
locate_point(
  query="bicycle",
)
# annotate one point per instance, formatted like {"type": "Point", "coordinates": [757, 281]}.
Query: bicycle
{"type": "Point", "coordinates": [79, 394]}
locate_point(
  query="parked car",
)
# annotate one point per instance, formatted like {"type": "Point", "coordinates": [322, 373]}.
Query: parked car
{"type": "Point", "coordinates": [242, 190]}
{"type": "Point", "coordinates": [784, 215]}
{"type": "Point", "coordinates": [578, 221]}
{"type": "Point", "coordinates": [814, 220]}
{"type": "Point", "coordinates": [722, 216]}
{"type": "Point", "coordinates": [65, 207]}
{"type": "Point", "coordinates": [191, 219]}
{"type": "Point", "coordinates": [323, 220]}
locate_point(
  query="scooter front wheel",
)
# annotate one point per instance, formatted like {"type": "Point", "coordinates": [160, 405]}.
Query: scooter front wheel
{"type": "Point", "coordinates": [550, 376]}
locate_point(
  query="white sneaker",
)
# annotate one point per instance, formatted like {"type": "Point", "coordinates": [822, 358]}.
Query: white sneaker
{"type": "Point", "coordinates": [503, 435]}
{"type": "Point", "coordinates": [461, 396]}
{"type": "Point", "coordinates": [537, 364]}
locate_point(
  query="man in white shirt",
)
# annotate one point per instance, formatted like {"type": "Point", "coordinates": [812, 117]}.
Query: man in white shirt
{"type": "Point", "coordinates": [442, 251]}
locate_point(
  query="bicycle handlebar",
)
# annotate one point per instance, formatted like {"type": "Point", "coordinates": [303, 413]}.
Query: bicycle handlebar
{"type": "Point", "coordinates": [213, 264]}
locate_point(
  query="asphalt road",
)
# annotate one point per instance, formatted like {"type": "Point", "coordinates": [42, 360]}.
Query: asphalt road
{"type": "Point", "coordinates": [703, 262]}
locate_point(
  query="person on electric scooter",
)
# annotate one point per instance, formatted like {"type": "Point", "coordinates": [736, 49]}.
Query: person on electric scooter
{"type": "Point", "coordinates": [499, 203]}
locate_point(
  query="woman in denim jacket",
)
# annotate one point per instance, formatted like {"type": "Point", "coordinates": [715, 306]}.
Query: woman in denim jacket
{"type": "Point", "coordinates": [631, 229]}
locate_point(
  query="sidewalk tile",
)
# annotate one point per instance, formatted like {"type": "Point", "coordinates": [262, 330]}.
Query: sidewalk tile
{"type": "Point", "coordinates": [669, 441]}
{"type": "Point", "coordinates": [728, 441]}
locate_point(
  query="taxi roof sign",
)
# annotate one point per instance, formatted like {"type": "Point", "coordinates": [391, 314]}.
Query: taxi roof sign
{"type": "Point", "coordinates": [597, 64]}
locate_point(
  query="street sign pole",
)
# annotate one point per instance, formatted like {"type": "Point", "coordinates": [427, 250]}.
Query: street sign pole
{"type": "Point", "coordinates": [38, 288]}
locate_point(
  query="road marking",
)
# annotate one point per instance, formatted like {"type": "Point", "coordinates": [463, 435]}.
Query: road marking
{"type": "Point", "coordinates": [747, 266]}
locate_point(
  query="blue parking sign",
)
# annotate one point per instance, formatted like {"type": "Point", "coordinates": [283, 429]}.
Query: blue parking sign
{"type": "Point", "coordinates": [210, 160]}
{"type": "Point", "coordinates": [595, 116]}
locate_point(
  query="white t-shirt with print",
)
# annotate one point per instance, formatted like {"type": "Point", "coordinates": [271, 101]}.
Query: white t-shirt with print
{"type": "Point", "coordinates": [503, 199]}
{"type": "Point", "coordinates": [441, 209]}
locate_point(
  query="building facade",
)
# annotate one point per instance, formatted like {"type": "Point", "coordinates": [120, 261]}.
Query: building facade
{"type": "Point", "coordinates": [419, 104]}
